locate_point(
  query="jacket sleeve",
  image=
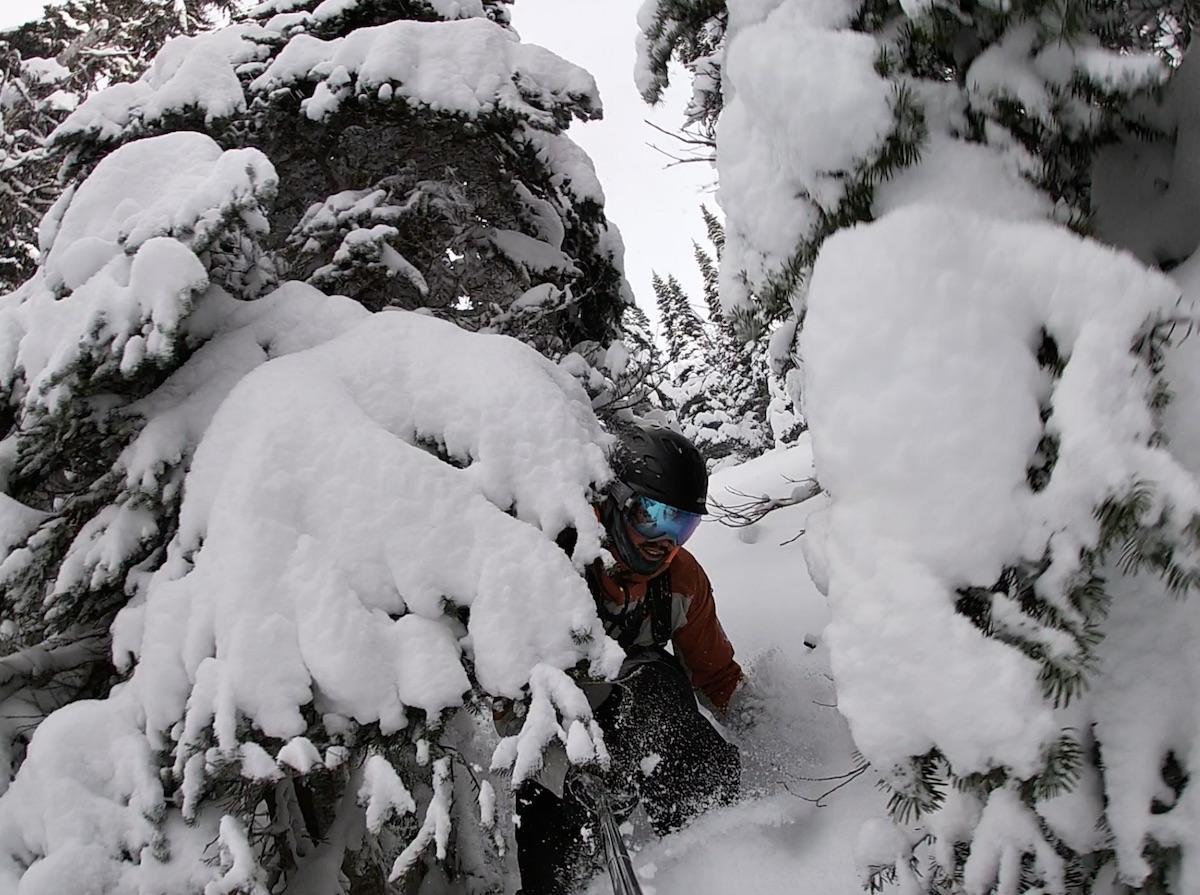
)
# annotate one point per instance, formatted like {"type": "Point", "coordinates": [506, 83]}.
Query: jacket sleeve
{"type": "Point", "coordinates": [703, 648]}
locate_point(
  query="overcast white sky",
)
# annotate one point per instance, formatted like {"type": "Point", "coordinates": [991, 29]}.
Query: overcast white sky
{"type": "Point", "coordinates": [657, 208]}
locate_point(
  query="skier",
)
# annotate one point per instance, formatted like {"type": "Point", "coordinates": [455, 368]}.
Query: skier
{"type": "Point", "coordinates": [656, 595]}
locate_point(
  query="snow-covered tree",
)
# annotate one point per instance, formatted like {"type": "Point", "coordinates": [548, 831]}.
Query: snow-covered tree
{"type": "Point", "coordinates": [693, 390]}
{"type": "Point", "coordinates": [682, 329]}
{"type": "Point", "coordinates": [1001, 409]}
{"type": "Point", "coordinates": [322, 559]}
{"type": "Point", "coordinates": [757, 386]}
{"type": "Point", "coordinates": [691, 32]}
{"type": "Point", "coordinates": [266, 556]}
{"type": "Point", "coordinates": [397, 186]}
{"type": "Point", "coordinates": [718, 388]}
{"type": "Point", "coordinates": [625, 378]}
{"type": "Point", "coordinates": [1044, 87]}
{"type": "Point", "coordinates": [29, 185]}
{"type": "Point", "coordinates": [706, 389]}
{"type": "Point", "coordinates": [46, 68]}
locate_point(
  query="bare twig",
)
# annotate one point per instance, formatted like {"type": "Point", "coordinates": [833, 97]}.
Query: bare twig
{"type": "Point", "coordinates": [754, 508]}
{"type": "Point", "coordinates": [846, 780]}
{"type": "Point", "coordinates": [699, 148]}
{"type": "Point", "coordinates": [848, 775]}
{"type": "Point", "coordinates": [686, 138]}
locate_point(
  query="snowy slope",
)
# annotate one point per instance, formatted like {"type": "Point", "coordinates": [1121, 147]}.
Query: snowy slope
{"type": "Point", "coordinates": [775, 842]}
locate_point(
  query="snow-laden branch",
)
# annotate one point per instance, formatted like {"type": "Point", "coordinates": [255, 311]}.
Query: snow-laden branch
{"type": "Point", "coordinates": [436, 826]}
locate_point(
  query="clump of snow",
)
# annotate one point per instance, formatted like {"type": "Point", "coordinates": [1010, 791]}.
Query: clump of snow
{"type": "Point", "coordinates": [436, 826]}
{"type": "Point", "coordinates": [44, 71]}
{"type": "Point", "coordinates": [311, 540]}
{"type": "Point", "coordinates": [383, 792]}
{"type": "Point", "coordinates": [17, 521]}
{"type": "Point", "coordinates": [881, 844]}
{"type": "Point", "coordinates": [1008, 831]}
{"type": "Point", "coordinates": [803, 104]}
{"type": "Point", "coordinates": [241, 870]}
{"type": "Point", "coordinates": [572, 169]}
{"type": "Point", "coordinates": [531, 253]}
{"type": "Point", "coordinates": [643, 76]}
{"type": "Point", "coordinates": [121, 267]}
{"type": "Point", "coordinates": [189, 72]}
{"type": "Point", "coordinates": [1115, 71]}
{"type": "Point", "coordinates": [924, 443]}
{"type": "Point", "coordinates": [1008, 69]}
{"type": "Point", "coordinates": [467, 66]}
{"type": "Point", "coordinates": [559, 715]}
{"type": "Point", "coordinates": [87, 793]}
{"type": "Point", "coordinates": [1145, 708]}
{"type": "Point", "coordinates": [275, 8]}
{"type": "Point", "coordinates": [1023, 68]}
{"type": "Point", "coordinates": [968, 176]}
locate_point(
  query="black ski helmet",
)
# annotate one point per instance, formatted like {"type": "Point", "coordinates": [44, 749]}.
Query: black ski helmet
{"type": "Point", "coordinates": [661, 464]}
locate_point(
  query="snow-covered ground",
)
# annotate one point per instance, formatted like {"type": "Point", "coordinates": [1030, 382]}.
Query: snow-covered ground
{"type": "Point", "coordinates": [784, 838]}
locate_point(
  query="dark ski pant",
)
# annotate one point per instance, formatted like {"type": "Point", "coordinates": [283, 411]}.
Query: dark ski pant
{"type": "Point", "coordinates": [652, 716]}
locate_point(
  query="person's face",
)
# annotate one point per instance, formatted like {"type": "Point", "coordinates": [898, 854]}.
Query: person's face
{"type": "Point", "coordinates": [658, 551]}
{"type": "Point", "coordinates": [657, 530]}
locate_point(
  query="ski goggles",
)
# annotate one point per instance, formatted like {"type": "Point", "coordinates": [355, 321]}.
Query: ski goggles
{"type": "Point", "coordinates": [653, 520]}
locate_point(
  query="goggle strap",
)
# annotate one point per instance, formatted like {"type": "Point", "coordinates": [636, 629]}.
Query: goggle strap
{"type": "Point", "coordinates": [622, 494]}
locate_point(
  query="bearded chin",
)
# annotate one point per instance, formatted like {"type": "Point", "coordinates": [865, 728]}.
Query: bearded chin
{"type": "Point", "coordinates": [622, 544]}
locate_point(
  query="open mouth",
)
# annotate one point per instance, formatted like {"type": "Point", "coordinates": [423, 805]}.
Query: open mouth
{"type": "Point", "coordinates": [656, 550]}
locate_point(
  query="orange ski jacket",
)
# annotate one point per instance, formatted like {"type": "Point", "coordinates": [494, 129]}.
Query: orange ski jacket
{"type": "Point", "coordinates": [699, 640]}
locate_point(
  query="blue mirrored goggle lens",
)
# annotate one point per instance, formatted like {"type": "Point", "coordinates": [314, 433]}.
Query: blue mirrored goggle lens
{"type": "Point", "coordinates": [653, 520]}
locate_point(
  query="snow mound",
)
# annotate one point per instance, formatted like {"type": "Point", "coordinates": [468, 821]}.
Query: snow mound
{"type": "Point", "coordinates": [797, 733]}
{"type": "Point", "coordinates": [343, 505]}
{"type": "Point", "coordinates": [925, 444]}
